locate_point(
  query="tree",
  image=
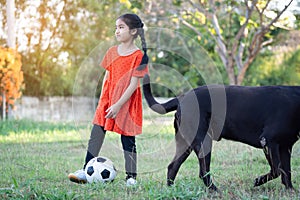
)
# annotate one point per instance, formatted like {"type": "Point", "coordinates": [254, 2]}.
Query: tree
{"type": "Point", "coordinates": [11, 77]}
{"type": "Point", "coordinates": [54, 37]}
{"type": "Point", "coordinates": [52, 34]}
{"type": "Point", "coordinates": [239, 29]}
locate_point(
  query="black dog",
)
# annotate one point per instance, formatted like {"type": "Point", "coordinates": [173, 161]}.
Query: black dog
{"type": "Point", "coordinates": [263, 117]}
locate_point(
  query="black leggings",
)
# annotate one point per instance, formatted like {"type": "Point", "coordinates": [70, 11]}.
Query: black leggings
{"type": "Point", "coordinates": [129, 149]}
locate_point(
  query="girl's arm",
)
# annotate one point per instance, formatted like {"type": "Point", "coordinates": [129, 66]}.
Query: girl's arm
{"type": "Point", "coordinates": [114, 109]}
{"type": "Point", "coordinates": [103, 81]}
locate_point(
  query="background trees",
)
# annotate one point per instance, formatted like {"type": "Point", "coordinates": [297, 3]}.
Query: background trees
{"type": "Point", "coordinates": [234, 31]}
{"type": "Point", "coordinates": [55, 36]}
{"type": "Point", "coordinates": [240, 29]}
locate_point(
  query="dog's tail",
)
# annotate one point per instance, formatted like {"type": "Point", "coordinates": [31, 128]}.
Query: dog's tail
{"type": "Point", "coordinates": [163, 108]}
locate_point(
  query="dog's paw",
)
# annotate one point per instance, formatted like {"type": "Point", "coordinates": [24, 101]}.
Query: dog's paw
{"type": "Point", "coordinates": [213, 188]}
{"type": "Point", "coordinates": [258, 181]}
{"type": "Point", "coordinates": [170, 182]}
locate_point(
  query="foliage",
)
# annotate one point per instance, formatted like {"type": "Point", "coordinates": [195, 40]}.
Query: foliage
{"type": "Point", "coordinates": [238, 30]}
{"type": "Point", "coordinates": [291, 69]}
{"type": "Point", "coordinates": [50, 64]}
{"type": "Point", "coordinates": [275, 69]}
{"type": "Point", "coordinates": [233, 32]}
{"type": "Point", "coordinates": [59, 36]}
{"type": "Point", "coordinates": [11, 75]}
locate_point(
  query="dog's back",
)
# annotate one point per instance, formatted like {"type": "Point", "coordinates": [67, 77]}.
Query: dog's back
{"type": "Point", "coordinates": [248, 110]}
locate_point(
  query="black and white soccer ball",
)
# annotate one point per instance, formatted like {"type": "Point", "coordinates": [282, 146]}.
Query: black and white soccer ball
{"type": "Point", "coordinates": [100, 169]}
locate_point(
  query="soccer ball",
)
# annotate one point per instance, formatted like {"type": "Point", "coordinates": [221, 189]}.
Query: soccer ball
{"type": "Point", "coordinates": [100, 169]}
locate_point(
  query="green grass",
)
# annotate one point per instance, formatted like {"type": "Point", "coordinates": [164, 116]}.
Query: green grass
{"type": "Point", "coordinates": [37, 157]}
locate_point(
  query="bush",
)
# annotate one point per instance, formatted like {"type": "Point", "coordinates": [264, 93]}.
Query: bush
{"type": "Point", "coordinates": [270, 69]}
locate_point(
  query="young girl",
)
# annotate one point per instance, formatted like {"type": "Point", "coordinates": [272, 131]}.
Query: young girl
{"type": "Point", "coordinates": [120, 104]}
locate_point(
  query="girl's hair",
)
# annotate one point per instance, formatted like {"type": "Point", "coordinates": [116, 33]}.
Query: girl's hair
{"type": "Point", "coordinates": [134, 22]}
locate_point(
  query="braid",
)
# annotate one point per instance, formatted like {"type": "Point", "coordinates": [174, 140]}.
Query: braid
{"type": "Point", "coordinates": [145, 58]}
{"type": "Point", "coordinates": [134, 22]}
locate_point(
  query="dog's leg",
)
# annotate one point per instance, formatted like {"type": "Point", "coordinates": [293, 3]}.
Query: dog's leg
{"type": "Point", "coordinates": [183, 150]}
{"type": "Point", "coordinates": [271, 151]}
{"type": "Point", "coordinates": [204, 159]}
{"type": "Point", "coordinates": [285, 157]}
{"type": "Point", "coordinates": [174, 166]}
{"type": "Point", "coordinates": [203, 153]}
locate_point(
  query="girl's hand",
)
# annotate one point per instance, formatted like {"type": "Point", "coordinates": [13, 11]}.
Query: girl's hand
{"type": "Point", "coordinates": [112, 111]}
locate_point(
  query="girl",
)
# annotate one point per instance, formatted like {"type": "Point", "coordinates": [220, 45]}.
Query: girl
{"type": "Point", "coordinates": [120, 104]}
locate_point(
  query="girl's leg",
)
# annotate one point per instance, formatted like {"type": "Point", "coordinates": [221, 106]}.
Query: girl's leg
{"type": "Point", "coordinates": [129, 149]}
{"type": "Point", "coordinates": [95, 143]}
{"type": "Point", "coordinates": [94, 146]}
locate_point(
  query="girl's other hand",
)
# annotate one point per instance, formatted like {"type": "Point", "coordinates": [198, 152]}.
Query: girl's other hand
{"type": "Point", "coordinates": [112, 111]}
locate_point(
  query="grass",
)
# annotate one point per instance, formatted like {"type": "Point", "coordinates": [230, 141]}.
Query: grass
{"type": "Point", "coordinates": [37, 157]}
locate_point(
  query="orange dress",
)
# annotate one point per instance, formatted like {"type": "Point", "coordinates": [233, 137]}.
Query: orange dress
{"type": "Point", "coordinates": [121, 68]}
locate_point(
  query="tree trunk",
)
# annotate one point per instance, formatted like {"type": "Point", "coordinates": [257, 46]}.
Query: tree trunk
{"type": "Point", "coordinates": [241, 77]}
{"type": "Point", "coordinates": [3, 114]}
{"type": "Point", "coordinates": [11, 42]}
{"type": "Point", "coordinates": [230, 65]}
{"type": "Point", "coordinates": [11, 33]}
{"type": "Point", "coordinates": [231, 76]}
{"type": "Point", "coordinates": [242, 73]}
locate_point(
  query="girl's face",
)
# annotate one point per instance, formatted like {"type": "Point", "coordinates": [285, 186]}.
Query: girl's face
{"type": "Point", "coordinates": [123, 33]}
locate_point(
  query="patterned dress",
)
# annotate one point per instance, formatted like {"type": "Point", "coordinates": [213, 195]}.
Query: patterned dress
{"type": "Point", "coordinates": [121, 68]}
